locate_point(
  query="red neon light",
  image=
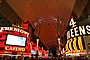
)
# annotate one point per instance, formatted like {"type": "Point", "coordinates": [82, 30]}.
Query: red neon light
{"type": "Point", "coordinates": [25, 25]}
{"type": "Point", "coordinates": [2, 43]}
{"type": "Point", "coordinates": [2, 37]}
{"type": "Point", "coordinates": [13, 48]}
{"type": "Point", "coordinates": [32, 43]}
{"type": "Point", "coordinates": [71, 17]}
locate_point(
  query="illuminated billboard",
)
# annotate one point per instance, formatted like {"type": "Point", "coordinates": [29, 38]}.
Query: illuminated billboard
{"type": "Point", "coordinates": [74, 35]}
{"type": "Point", "coordinates": [15, 40]}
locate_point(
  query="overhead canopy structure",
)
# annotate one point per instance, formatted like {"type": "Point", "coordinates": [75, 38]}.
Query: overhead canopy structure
{"type": "Point", "coordinates": [48, 12]}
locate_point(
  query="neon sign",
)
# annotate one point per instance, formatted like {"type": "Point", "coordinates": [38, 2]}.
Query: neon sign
{"type": "Point", "coordinates": [77, 30]}
{"type": "Point", "coordinates": [14, 29]}
{"type": "Point", "coordinates": [74, 38]}
{"type": "Point", "coordinates": [70, 45]}
{"type": "Point", "coordinates": [74, 47]}
{"type": "Point", "coordinates": [80, 43]}
{"type": "Point", "coordinates": [74, 44]}
{"type": "Point", "coordinates": [17, 26]}
{"type": "Point", "coordinates": [14, 48]}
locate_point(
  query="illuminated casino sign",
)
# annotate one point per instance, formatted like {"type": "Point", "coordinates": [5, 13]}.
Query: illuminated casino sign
{"type": "Point", "coordinates": [75, 35]}
{"type": "Point", "coordinates": [75, 43]}
{"type": "Point", "coordinates": [14, 48]}
{"type": "Point", "coordinates": [14, 29]}
{"type": "Point", "coordinates": [14, 39]}
{"type": "Point", "coordinates": [77, 30]}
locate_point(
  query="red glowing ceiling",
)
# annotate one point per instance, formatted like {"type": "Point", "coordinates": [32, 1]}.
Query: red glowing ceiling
{"type": "Point", "coordinates": [47, 11]}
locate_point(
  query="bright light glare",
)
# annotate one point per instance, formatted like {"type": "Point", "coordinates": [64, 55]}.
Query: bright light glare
{"type": "Point", "coordinates": [15, 40]}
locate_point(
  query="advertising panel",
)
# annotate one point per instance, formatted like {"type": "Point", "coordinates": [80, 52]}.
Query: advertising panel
{"type": "Point", "coordinates": [15, 40]}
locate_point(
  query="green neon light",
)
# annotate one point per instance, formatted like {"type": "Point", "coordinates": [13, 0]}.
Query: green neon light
{"type": "Point", "coordinates": [17, 26]}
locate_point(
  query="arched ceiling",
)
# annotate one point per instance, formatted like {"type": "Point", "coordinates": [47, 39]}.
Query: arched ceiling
{"type": "Point", "coordinates": [28, 9]}
{"type": "Point", "coordinates": [47, 11]}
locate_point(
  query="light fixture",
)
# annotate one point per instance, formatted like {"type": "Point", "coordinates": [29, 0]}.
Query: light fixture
{"type": "Point", "coordinates": [58, 38]}
{"type": "Point", "coordinates": [59, 41]}
{"type": "Point", "coordinates": [37, 43]}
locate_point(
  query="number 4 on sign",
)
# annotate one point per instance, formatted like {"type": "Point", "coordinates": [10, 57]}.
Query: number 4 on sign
{"type": "Point", "coordinates": [72, 23]}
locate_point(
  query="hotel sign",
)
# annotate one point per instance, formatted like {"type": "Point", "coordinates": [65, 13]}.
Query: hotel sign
{"type": "Point", "coordinates": [14, 29]}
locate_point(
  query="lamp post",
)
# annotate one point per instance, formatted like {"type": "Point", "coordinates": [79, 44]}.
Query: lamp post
{"type": "Point", "coordinates": [37, 39]}
{"type": "Point", "coordinates": [37, 24]}
{"type": "Point", "coordinates": [59, 41]}
{"type": "Point", "coordinates": [60, 27]}
{"type": "Point", "coordinates": [37, 43]}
